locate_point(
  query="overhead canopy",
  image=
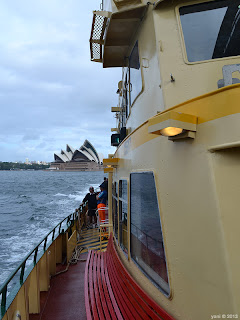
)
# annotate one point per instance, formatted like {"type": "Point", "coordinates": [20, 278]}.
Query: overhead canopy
{"type": "Point", "coordinates": [121, 3]}
{"type": "Point", "coordinates": [114, 31]}
{"type": "Point", "coordinates": [121, 29]}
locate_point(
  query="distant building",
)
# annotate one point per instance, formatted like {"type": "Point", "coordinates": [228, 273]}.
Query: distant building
{"type": "Point", "coordinates": [85, 158]}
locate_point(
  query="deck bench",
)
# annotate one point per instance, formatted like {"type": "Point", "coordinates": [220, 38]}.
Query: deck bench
{"type": "Point", "coordinates": [111, 292]}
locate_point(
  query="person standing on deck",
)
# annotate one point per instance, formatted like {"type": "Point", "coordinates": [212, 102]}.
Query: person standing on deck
{"type": "Point", "coordinates": [92, 206]}
{"type": "Point", "coordinates": [102, 201]}
{"type": "Point", "coordinates": [105, 183]}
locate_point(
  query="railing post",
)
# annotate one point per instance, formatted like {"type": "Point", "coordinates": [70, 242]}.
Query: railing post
{"type": "Point", "coordinates": [59, 231]}
{"type": "Point", "coordinates": [22, 272]}
{"type": "Point", "coordinates": [53, 234]}
{"type": "Point", "coordinates": [4, 300]}
{"type": "Point", "coordinates": [45, 244]}
{"type": "Point", "coordinates": [35, 256]}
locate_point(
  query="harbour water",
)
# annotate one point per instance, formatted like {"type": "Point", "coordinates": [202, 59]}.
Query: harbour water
{"type": "Point", "coordinates": [31, 204]}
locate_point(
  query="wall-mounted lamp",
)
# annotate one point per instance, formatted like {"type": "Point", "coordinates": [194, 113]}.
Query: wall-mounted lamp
{"type": "Point", "coordinates": [170, 131]}
{"type": "Point", "coordinates": [111, 162]}
{"type": "Point", "coordinates": [173, 125]}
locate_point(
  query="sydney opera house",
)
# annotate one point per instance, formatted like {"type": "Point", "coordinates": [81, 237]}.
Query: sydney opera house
{"type": "Point", "coordinates": [85, 158]}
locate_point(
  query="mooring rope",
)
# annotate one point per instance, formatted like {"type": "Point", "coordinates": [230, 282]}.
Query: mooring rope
{"type": "Point", "coordinates": [74, 259]}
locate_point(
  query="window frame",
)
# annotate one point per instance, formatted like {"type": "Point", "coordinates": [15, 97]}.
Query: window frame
{"type": "Point", "coordinates": [128, 216]}
{"type": "Point", "coordinates": [116, 199]}
{"type": "Point", "coordinates": [167, 295]}
{"type": "Point", "coordinates": [182, 41]}
{"type": "Point", "coordinates": [130, 102]}
{"type": "Point", "coordinates": [126, 90]}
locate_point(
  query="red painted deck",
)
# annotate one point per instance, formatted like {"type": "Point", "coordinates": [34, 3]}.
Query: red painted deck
{"type": "Point", "coordinates": [65, 298]}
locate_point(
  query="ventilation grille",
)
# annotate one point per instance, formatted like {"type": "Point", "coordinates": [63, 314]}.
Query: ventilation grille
{"type": "Point", "coordinates": [97, 37]}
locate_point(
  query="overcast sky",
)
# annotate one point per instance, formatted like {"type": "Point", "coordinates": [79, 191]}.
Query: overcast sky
{"type": "Point", "coordinates": [51, 93]}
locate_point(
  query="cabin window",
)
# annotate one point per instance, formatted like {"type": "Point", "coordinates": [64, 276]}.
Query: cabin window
{"type": "Point", "coordinates": [147, 247]}
{"type": "Point", "coordinates": [211, 30]}
{"type": "Point", "coordinates": [115, 208]}
{"type": "Point", "coordinates": [135, 75]}
{"type": "Point", "coordinates": [123, 213]}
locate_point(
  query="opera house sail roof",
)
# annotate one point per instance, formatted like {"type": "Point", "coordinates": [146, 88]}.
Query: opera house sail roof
{"type": "Point", "coordinates": [85, 153]}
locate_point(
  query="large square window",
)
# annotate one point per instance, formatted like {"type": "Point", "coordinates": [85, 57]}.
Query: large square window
{"type": "Point", "coordinates": [115, 208]}
{"type": "Point", "coordinates": [123, 215]}
{"type": "Point", "coordinates": [147, 247]}
{"type": "Point", "coordinates": [211, 30]}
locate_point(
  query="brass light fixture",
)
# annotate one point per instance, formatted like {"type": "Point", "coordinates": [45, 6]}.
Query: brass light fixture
{"type": "Point", "coordinates": [174, 125]}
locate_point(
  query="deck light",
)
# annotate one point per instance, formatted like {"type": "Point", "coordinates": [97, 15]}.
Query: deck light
{"type": "Point", "coordinates": [174, 125]}
{"type": "Point", "coordinates": [110, 164]}
{"type": "Point", "coordinates": [171, 131]}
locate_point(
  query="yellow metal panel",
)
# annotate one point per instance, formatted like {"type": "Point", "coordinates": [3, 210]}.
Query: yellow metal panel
{"type": "Point", "coordinates": [52, 258]}
{"type": "Point", "coordinates": [19, 304]}
{"type": "Point", "coordinates": [212, 105]}
{"type": "Point", "coordinates": [44, 275]}
{"type": "Point", "coordinates": [33, 291]}
{"type": "Point", "coordinates": [111, 161]}
{"type": "Point", "coordinates": [71, 244]}
{"type": "Point", "coordinates": [59, 249]}
{"type": "Point", "coordinates": [108, 170]}
{"type": "Point", "coordinates": [115, 109]}
{"type": "Point", "coordinates": [174, 115]}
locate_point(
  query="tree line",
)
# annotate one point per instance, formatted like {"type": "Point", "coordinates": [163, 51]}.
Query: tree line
{"type": "Point", "coordinates": [22, 166]}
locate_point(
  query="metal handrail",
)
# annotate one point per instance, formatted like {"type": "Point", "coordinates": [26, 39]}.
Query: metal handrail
{"type": "Point", "coordinates": [3, 289]}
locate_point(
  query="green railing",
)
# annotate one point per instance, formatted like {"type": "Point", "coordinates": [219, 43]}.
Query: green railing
{"type": "Point", "coordinates": [54, 233]}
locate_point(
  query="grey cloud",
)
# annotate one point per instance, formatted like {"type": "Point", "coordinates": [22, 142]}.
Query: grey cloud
{"type": "Point", "coordinates": [30, 136]}
{"type": "Point", "coordinates": [50, 92]}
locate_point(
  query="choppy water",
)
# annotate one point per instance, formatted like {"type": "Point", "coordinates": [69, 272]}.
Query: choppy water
{"type": "Point", "coordinates": [31, 204]}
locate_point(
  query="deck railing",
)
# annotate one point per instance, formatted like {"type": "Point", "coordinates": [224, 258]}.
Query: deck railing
{"type": "Point", "coordinates": [61, 227]}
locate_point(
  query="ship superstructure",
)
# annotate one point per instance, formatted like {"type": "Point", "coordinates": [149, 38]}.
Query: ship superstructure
{"type": "Point", "coordinates": [173, 182]}
{"type": "Point", "coordinates": [175, 171]}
